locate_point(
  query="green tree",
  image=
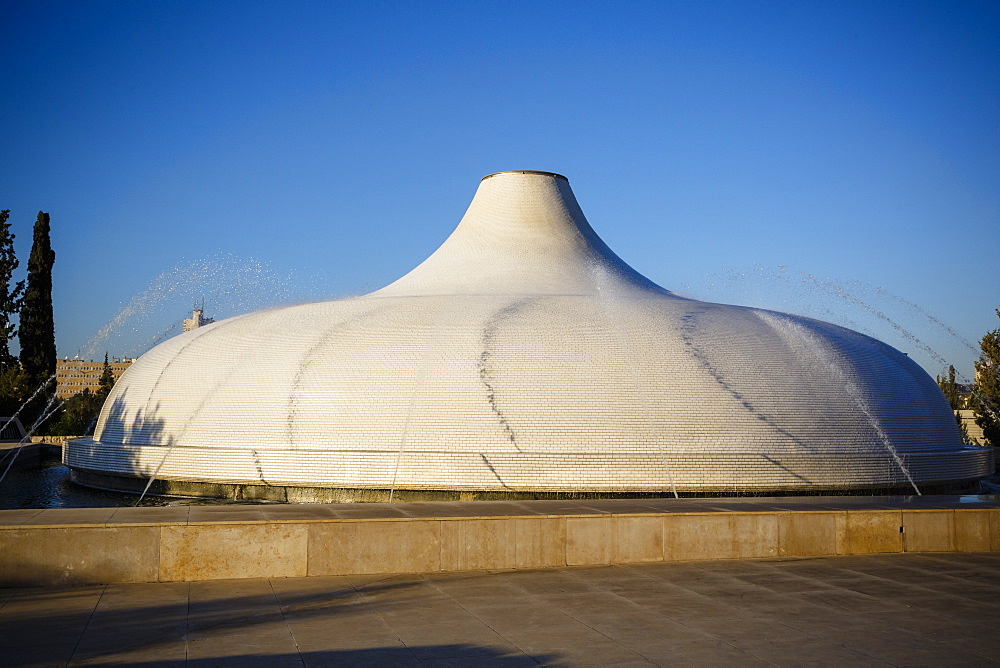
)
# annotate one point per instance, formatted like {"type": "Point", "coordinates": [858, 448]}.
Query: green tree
{"type": "Point", "coordinates": [950, 388]}
{"type": "Point", "coordinates": [15, 387]}
{"type": "Point", "coordinates": [78, 415]}
{"type": "Point", "coordinates": [37, 327]}
{"type": "Point", "coordinates": [953, 393]}
{"type": "Point", "coordinates": [37, 334]}
{"type": "Point", "coordinates": [985, 400]}
{"type": "Point", "coordinates": [80, 412]}
{"type": "Point", "coordinates": [107, 380]}
{"type": "Point", "coordinates": [10, 296]}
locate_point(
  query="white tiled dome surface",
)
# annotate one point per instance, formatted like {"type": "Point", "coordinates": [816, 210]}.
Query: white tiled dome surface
{"type": "Point", "coordinates": [523, 355]}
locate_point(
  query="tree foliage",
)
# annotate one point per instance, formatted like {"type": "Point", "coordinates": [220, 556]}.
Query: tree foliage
{"type": "Point", "coordinates": [37, 334]}
{"type": "Point", "coordinates": [107, 380]}
{"type": "Point", "coordinates": [15, 387]}
{"type": "Point", "coordinates": [37, 328]}
{"type": "Point", "coordinates": [985, 400]}
{"type": "Point", "coordinates": [951, 389]}
{"type": "Point", "coordinates": [10, 296]}
{"type": "Point", "coordinates": [79, 414]}
{"type": "Point", "coordinates": [953, 393]}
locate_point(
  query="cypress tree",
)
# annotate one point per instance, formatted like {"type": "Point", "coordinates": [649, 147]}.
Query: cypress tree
{"type": "Point", "coordinates": [37, 333]}
{"type": "Point", "coordinates": [10, 296]}
{"type": "Point", "coordinates": [107, 380]}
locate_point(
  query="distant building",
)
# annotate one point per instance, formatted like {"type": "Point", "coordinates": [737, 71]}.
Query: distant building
{"type": "Point", "coordinates": [197, 318]}
{"type": "Point", "coordinates": [975, 432]}
{"type": "Point", "coordinates": [74, 375]}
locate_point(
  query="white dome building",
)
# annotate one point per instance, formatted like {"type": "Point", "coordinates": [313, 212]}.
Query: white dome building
{"type": "Point", "coordinates": [524, 359]}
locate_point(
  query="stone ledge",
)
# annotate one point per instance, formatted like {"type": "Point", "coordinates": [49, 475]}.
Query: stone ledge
{"type": "Point", "coordinates": [113, 545]}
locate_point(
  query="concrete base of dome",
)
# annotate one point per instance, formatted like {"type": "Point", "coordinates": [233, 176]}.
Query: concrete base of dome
{"type": "Point", "coordinates": [343, 476]}
{"type": "Point", "coordinates": [298, 494]}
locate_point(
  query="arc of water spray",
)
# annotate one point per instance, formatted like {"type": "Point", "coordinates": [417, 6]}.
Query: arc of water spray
{"type": "Point", "coordinates": [418, 381]}
{"type": "Point", "coordinates": [839, 291]}
{"type": "Point", "coordinates": [781, 325]}
{"type": "Point", "coordinates": [169, 282]}
{"type": "Point", "coordinates": [149, 483]}
{"type": "Point", "coordinates": [623, 344]}
{"type": "Point", "coordinates": [835, 290]}
{"type": "Point", "coordinates": [17, 449]}
{"type": "Point", "coordinates": [958, 337]}
{"type": "Point", "coordinates": [173, 441]}
{"type": "Point", "coordinates": [402, 440]}
{"type": "Point", "coordinates": [886, 442]}
{"type": "Point", "coordinates": [244, 284]}
{"type": "Point", "coordinates": [29, 400]}
{"type": "Point", "coordinates": [46, 413]}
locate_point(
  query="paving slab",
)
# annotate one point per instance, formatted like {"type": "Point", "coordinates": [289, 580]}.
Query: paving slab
{"type": "Point", "coordinates": [505, 508]}
{"type": "Point", "coordinates": [151, 515]}
{"type": "Point", "coordinates": [227, 513]}
{"type": "Point", "coordinates": [66, 516]}
{"type": "Point", "coordinates": [878, 610]}
{"type": "Point", "coordinates": [306, 512]}
{"type": "Point", "coordinates": [19, 515]}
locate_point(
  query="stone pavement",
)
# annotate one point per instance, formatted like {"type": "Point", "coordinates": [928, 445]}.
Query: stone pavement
{"type": "Point", "coordinates": [898, 609]}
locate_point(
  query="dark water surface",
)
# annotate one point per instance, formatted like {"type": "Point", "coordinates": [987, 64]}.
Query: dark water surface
{"type": "Point", "coordinates": [48, 485]}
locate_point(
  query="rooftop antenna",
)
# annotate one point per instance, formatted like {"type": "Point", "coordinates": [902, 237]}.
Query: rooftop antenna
{"type": "Point", "coordinates": [197, 318]}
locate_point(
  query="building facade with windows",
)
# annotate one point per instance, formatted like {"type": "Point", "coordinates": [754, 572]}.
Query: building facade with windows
{"type": "Point", "coordinates": [75, 375]}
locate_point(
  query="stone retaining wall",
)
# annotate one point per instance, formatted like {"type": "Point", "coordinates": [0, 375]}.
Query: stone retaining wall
{"type": "Point", "coordinates": [137, 548]}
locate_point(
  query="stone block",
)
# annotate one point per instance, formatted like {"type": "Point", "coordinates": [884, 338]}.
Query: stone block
{"type": "Point", "coordinates": [869, 531]}
{"type": "Point", "coordinates": [17, 516]}
{"type": "Point", "coordinates": [929, 530]}
{"type": "Point", "coordinates": [470, 544]}
{"type": "Point", "coordinates": [995, 530]}
{"type": "Point", "coordinates": [539, 542]}
{"type": "Point", "coordinates": [58, 517]}
{"type": "Point", "coordinates": [223, 551]}
{"type": "Point", "coordinates": [698, 537]}
{"type": "Point", "coordinates": [636, 539]}
{"type": "Point", "coordinates": [588, 540]}
{"type": "Point", "coordinates": [755, 535]}
{"type": "Point", "coordinates": [349, 548]}
{"type": "Point", "coordinates": [78, 555]}
{"type": "Point", "coordinates": [972, 530]}
{"type": "Point", "coordinates": [803, 534]}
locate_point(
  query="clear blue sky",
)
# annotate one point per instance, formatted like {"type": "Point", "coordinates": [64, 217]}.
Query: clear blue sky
{"type": "Point", "coordinates": [330, 147]}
